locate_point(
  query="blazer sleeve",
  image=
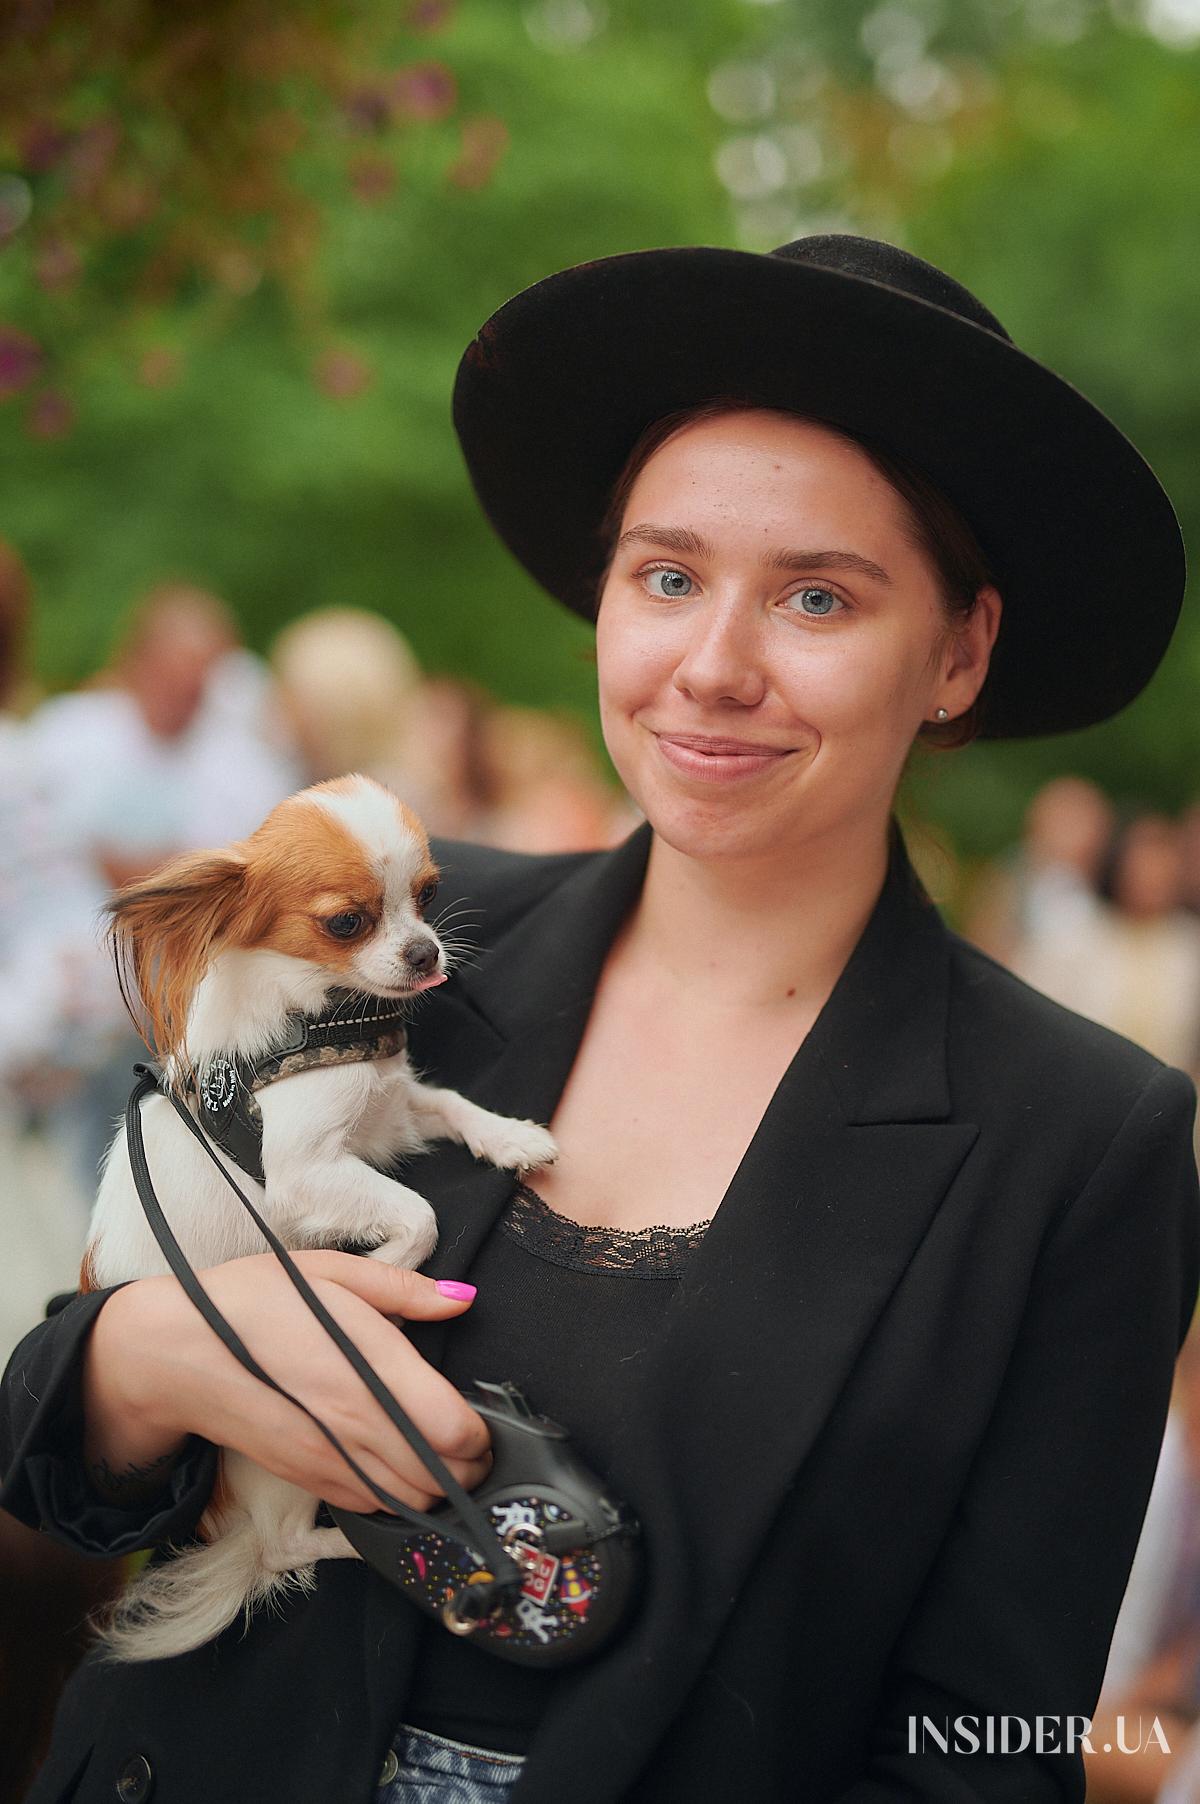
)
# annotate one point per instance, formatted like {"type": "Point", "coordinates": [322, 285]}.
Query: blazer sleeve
{"type": "Point", "coordinates": [1017, 1613]}
{"type": "Point", "coordinates": [45, 1483]}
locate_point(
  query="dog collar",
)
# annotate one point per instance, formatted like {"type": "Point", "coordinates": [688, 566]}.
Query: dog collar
{"type": "Point", "coordinates": [351, 1029]}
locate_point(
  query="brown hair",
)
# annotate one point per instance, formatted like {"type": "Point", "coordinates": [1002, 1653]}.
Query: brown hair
{"type": "Point", "coordinates": [935, 526]}
{"type": "Point", "coordinates": [15, 596]}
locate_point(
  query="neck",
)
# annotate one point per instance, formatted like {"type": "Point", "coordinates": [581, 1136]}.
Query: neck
{"type": "Point", "coordinates": [243, 1002]}
{"type": "Point", "coordinates": [754, 934]}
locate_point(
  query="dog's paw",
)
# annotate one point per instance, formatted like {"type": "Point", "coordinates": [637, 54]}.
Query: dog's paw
{"type": "Point", "coordinates": [408, 1243]}
{"type": "Point", "coordinates": [520, 1146]}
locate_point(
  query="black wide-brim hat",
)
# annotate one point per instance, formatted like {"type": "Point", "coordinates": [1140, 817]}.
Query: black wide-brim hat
{"type": "Point", "coordinates": [1079, 534]}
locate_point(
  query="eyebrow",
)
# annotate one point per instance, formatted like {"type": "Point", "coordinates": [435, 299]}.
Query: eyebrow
{"type": "Point", "coordinates": [682, 538]}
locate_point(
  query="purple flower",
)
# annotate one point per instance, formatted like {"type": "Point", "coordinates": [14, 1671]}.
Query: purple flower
{"type": "Point", "coordinates": [21, 360]}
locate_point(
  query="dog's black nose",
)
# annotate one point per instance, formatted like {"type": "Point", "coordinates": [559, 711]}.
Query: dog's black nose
{"type": "Point", "coordinates": [421, 956]}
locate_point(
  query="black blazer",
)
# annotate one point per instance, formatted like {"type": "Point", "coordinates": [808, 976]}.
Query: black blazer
{"type": "Point", "coordinates": [897, 1433]}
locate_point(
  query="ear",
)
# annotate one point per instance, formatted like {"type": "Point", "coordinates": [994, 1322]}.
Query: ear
{"type": "Point", "coordinates": [968, 652]}
{"type": "Point", "coordinates": [164, 930]}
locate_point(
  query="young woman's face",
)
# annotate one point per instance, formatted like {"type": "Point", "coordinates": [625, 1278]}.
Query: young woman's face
{"type": "Point", "coordinates": [766, 591]}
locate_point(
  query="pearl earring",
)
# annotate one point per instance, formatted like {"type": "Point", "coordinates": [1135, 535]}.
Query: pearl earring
{"type": "Point", "coordinates": [942, 714]}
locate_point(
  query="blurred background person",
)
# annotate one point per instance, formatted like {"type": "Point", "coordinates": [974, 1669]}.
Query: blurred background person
{"type": "Point", "coordinates": [173, 747]}
{"type": "Point", "coordinates": [1135, 965]}
{"type": "Point", "coordinates": [1189, 856]}
{"type": "Point", "coordinates": [1154, 1662]}
{"type": "Point", "coordinates": [354, 698]}
{"type": "Point", "coordinates": [1090, 910]}
{"type": "Point", "coordinates": [449, 757]}
{"type": "Point", "coordinates": [16, 606]}
{"type": "Point", "coordinates": [1028, 903]}
{"type": "Point", "coordinates": [347, 685]}
{"type": "Point", "coordinates": [550, 795]}
{"type": "Point", "coordinates": [60, 1016]}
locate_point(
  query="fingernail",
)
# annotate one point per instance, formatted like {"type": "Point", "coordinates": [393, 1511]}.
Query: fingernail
{"type": "Point", "coordinates": [450, 1287]}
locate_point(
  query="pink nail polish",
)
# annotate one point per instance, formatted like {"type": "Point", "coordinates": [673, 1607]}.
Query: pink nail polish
{"type": "Point", "coordinates": [450, 1287]}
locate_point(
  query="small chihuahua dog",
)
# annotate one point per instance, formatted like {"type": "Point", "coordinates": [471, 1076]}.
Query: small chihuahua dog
{"type": "Point", "coordinates": [318, 914]}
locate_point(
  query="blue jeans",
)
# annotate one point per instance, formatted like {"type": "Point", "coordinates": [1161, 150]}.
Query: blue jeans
{"type": "Point", "coordinates": [429, 1769]}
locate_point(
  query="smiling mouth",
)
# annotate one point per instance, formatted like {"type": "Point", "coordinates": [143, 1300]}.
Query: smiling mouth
{"type": "Point", "coordinates": [723, 748]}
{"type": "Point", "coordinates": [708, 765]}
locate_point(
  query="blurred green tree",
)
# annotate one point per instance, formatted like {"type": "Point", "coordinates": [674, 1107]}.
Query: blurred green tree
{"type": "Point", "coordinates": [1046, 153]}
{"type": "Point", "coordinates": [1073, 211]}
{"type": "Point", "coordinates": [243, 243]}
{"type": "Point", "coordinates": [244, 247]}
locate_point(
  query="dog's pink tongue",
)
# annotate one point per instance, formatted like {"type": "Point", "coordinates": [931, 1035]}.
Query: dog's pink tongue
{"type": "Point", "coordinates": [428, 983]}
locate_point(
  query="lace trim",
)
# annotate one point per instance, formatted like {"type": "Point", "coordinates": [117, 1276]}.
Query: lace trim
{"type": "Point", "coordinates": [657, 1252]}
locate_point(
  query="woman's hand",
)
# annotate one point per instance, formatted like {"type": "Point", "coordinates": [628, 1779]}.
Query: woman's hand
{"type": "Point", "coordinates": [154, 1373]}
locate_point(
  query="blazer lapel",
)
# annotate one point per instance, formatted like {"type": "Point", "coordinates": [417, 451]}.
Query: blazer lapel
{"type": "Point", "coordinates": [841, 1181]}
{"type": "Point", "coordinates": [509, 1032]}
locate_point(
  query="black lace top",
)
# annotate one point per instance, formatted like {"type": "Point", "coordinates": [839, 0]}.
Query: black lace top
{"type": "Point", "coordinates": [658, 1252]}
{"type": "Point", "coordinates": [557, 1313]}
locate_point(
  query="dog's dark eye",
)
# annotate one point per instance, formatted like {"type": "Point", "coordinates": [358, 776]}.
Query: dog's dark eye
{"type": "Point", "coordinates": [425, 895]}
{"type": "Point", "coordinates": [346, 926]}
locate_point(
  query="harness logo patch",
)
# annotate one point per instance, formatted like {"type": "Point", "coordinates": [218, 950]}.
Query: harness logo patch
{"type": "Point", "coordinates": [218, 1086]}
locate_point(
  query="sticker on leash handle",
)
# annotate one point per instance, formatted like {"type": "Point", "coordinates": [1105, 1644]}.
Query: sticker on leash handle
{"type": "Point", "coordinates": [556, 1597]}
{"type": "Point", "coordinates": [541, 1570]}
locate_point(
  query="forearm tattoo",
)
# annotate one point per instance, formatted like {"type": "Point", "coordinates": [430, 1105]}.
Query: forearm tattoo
{"type": "Point", "coordinates": [134, 1484]}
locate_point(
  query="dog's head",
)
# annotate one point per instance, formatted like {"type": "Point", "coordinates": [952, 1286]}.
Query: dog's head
{"type": "Point", "coordinates": [332, 888]}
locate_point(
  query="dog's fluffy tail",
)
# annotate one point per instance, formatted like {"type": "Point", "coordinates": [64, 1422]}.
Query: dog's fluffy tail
{"type": "Point", "coordinates": [181, 1603]}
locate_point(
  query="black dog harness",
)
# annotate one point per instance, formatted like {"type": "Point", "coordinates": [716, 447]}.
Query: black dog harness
{"type": "Point", "coordinates": [350, 1029]}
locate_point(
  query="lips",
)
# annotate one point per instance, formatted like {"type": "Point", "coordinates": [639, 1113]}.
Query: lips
{"type": "Point", "coordinates": [705, 761]}
{"type": "Point", "coordinates": [716, 748]}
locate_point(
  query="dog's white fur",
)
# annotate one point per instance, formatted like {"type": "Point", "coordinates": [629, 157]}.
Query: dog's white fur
{"type": "Point", "coordinates": [325, 1132]}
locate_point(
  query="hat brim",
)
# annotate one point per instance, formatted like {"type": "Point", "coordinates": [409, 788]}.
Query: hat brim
{"type": "Point", "coordinates": [1082, 539]}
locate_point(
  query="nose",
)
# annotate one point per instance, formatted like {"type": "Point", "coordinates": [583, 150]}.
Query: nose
{"type": "Point", "coordinates": [722, 658]}
{"type": "Point", "coordinates": [421, 956]}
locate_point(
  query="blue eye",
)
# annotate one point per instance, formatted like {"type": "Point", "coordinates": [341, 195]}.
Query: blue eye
{"type": "Point", "coordinates": [823, 600]}
{"type": "Point", "coordinates": [671, 578]}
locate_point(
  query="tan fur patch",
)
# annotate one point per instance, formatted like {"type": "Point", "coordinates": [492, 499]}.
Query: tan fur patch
{"type": "Point", "coordinates": [429, 873]}
{"type": "Point", "coordinates": [162, 931]}
{"type": "Point", "coordinates": [305, 865]}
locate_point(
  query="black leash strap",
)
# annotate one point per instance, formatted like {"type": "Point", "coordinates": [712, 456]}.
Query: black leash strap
{"type": "Point", "coordinates": [487, 1544]}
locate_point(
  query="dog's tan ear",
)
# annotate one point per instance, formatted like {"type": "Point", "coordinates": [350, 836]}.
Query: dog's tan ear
{"type": "Point", "coordinates": [164, 930]}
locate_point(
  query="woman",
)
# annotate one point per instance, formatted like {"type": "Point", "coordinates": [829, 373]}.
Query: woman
{"type": "Point", "coordinates": [924, 1244]}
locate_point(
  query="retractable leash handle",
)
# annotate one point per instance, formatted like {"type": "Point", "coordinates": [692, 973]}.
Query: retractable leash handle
{"type": "Point", "coordinates": [507, 1576]}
